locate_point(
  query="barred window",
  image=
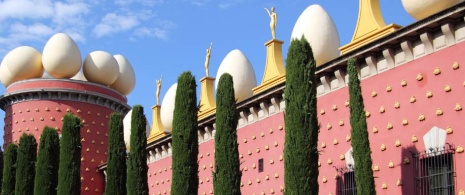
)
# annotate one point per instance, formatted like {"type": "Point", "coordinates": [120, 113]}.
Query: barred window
{"type": "Point", "coordinates": [434, 171]}
{"type": "Point", "coordinates": [346, 180]}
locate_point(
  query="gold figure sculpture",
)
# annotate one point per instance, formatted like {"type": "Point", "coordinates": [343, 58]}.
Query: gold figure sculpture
{"type": "Point", "coordinates": [207, 58]}
{"type": "Point", "coordinates": [158, 89]}
{"type": "Point", "coordinates": [273, 21]}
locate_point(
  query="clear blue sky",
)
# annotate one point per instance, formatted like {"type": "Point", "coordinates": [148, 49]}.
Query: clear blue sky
{"type": "Point", "coordinates": [169, 37]}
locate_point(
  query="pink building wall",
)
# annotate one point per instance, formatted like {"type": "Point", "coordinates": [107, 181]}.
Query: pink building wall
{"type": "Point", "coordinates": [333, 116]}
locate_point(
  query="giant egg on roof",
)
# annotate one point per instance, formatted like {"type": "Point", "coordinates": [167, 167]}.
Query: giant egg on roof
{"type": "Point", "coordinates": [320, 31]}
{"type": "Point", "coordinates": [61, 56]}
{"type": "Point", "coordinates": [24, 63]}
{"type": "Point", "coordinates": [126, 79]}
{"type": "Point", "coordinates": [167, 107]}
{"type": "Point", "coordinates": [5, 76]}
{"type": "Point", "coordinates": [127, 128]}
{"type": "Point", "coordinates": [239, 67]}
{"type": "Point", "coordinates": [427, 7]}
{"type": "Point", "coordinates": [101, 67]}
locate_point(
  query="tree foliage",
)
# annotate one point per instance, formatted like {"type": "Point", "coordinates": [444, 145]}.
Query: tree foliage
{"type": "Point", "coordinates": [301, 139]}
{"type": "Point", "coordinates": [227, 174]}
{"type": "Point", "coordinates": [69, 182]}
{"type": "Point", "coordinates": [137, 160]}
{"type": "Point", "coordinates": [9, 170]}
{"type": "Point", "coordinates": [116, 163]}
{"type": "Point", "coordinates": [184, 138]}
{"type": "Point", "coordinates": [47, 163]}
{"type": "Point", "coordinates": [26, 162]}
{"type": "Point", "coordinates": [364, 180]}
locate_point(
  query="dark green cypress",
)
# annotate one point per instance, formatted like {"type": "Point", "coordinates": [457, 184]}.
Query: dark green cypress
{"type": "Point", "coordinates": [26, 165]}
{"type": "Point", "coordinates": [1, 169]}
{"type": "Point", "coordinates": [116, 163]}
{"type": "Point", "coordinates": [364, 180]}
{"type": "Point", "coordinates": [137, 183]}
{"type": "Point", "coordinates": [184, 138]}
{"type": "Point", "coordinates": [47, 163]}
{"type": "Point", "coordinates": [69, 182]}
{"type": "Point", "coordinates": [227, 174]}
{"type": "Point", "coordinates": [300, 145]}
{"type": "Point", "coordinates": [9, 170]}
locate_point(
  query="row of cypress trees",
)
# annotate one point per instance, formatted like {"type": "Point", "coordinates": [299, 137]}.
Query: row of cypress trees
{"type": "Point", "coordinates": [22, 163]}
{"type": "Point", "coordinates": [127, 174]}
{"type": "Point", "coordinates": [301, 138]}
{"type": "Point", "coordinates": [227, 174]}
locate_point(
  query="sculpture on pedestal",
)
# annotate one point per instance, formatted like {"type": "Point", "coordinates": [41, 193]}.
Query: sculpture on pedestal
{"type": "Point", "coordinates": [273, 20]}
{"type": "Point", "coordinates": [207, 58]}
{"type": "Point", "coordinates": [158, 89]}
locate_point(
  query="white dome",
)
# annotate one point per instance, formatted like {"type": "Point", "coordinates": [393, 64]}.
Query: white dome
{"type": "Point", "coordinates": [25, 63]}
{"type": "Point", "coordinates": [167, 107]}
{"type": "Point", "coordinates": [319, 30]}
{"type": "Point", "coordinates": [127, 128]}
{"type": "Point", "coordinates": [427, 7]}
{"type": "Point", "coordinates": [100, 67]}
{"type": "Point", "coordinates": [239, 67]}
{"type": "Point", "coordinates": [61, 56]}
{"type": "Point", "coordinates": [79, 76]}
{"type": "Point", "coordinates": [126, 79]}
{"type": "Point", "coordinates": [5, 76]}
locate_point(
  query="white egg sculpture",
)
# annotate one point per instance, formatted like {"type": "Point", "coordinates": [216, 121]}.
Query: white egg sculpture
{"type": "Point", "coordinates": [425, 8]}
{"type": "Point", "coordinates": [320, 31]}
{"type": "Point", "coordinates": [126, 79]}
{"type": "Point", "coordinates": [79, 76]}
{"type": "Point", "coordinates": [238, 66]}
{"type": "Point", "coordinates": [127, 128]}
{"type": "Point", "coordinates": [24, 63]}
{"type": "Point", "coordinates": [167, 107]}
{"type": "Point", "coordinates": [5, 76]}
{"type": "Point", "coordinates": [101, 67]}
{"type": "Point", "coordinates": [61, 57]}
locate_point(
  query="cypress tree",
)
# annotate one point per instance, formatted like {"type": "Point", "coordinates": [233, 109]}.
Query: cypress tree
{"type": "Point", "coordinates": [137, 183]}
{"type": "Point", "coordinates": [364, 180]}
{"type": "Point", "coordinates": [69, 182]}
{"type": "Point", "coordinates": [184, 138]}
{"type": "Point", "coordinates": [9, 170]}
{"type": "Point", "coordinates": [227, 175]}
{"type": "Point", "coordinates": [47, 163]}
{"type": "Point", "coordinates": [1, 169]}
{"type": "Point", "coordinates": [300, 147]}
{"type": "Point", "coordinates": [116, 163]}
{"type": "Point", "coordinates": [26, 164]}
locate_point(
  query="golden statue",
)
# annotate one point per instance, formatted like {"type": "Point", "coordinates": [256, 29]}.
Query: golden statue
{"type": "Point", "coordinates": [273, 20]}
{"type": "Point", "coordinates": [207, 58]}
{"type": "Point", "coordinates": [158, 89]}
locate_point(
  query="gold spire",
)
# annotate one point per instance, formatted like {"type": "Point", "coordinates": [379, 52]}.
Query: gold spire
{"type": "Point", "coordinates": [207, 100]}
{"type": "Point", "coordinates": [157, 131]}
{"type": "Point", "coordinates": [274, 68]}
{"type": "Point", "coordinates": [370, 25]}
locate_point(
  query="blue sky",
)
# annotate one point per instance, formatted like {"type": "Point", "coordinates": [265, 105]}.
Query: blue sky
{"type": "Point", "coordinates": [161, 37]}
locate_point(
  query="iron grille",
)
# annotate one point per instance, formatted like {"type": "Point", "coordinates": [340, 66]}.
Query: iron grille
{"type": "Point", "coordinates": [346, 180]}
{"type": "Point", "coordinates": [434, 171]}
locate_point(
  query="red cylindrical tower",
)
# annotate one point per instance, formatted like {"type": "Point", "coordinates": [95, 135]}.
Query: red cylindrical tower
{"type": "Point", "coordinates": [30, 105]}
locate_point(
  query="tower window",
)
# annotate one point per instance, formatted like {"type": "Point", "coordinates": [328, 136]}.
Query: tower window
{"type": "Point", "coordinates": [260, 165]}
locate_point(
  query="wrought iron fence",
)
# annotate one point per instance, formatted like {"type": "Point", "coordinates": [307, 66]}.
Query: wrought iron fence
{"type": "Point", "coordinates": [346, 180]}
{"type": "Point", "coordinates": [434, 171]}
